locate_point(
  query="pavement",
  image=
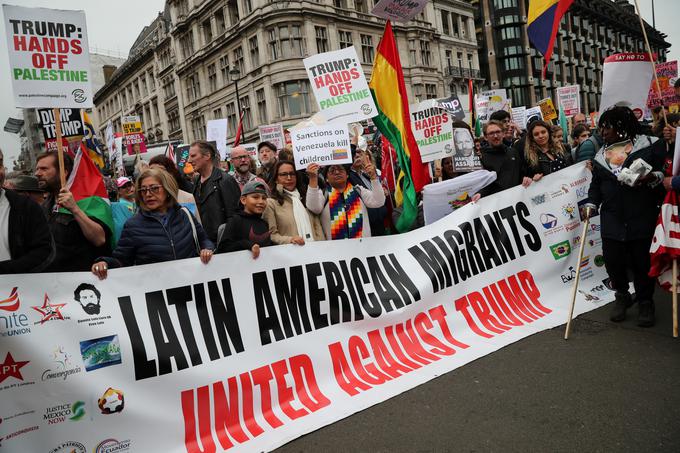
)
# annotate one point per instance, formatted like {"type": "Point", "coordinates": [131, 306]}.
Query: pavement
{"type": "Point", "coordinates": [609, 388]}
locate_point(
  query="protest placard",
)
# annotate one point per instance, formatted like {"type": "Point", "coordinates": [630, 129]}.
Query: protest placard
{"type": "Point", "coordinates": [667, 73]}
{"type": "Point", "coordinates": [626, 78]}
{"type": "Point", "coordinates": [273, 133]}
{"type": "Point", "coordinates": [519, 116]}
{"type": "Point", "coordinates": [498, 100]}
{"type": "Point", "coordinates": [49, 59]}
{"type": "Point", "coordinates": [216, 131]}
{"type": "Point", "coordinates": [533, 114]}
{"type": "Point", "coordinates": [398, 10]}
{"type": "Point", "coordinates": [133, 136]}
{"type": "Point", "coordinates": [182, 153]}
{"type": "Point", "coordinates": [432, 130]}
{"type": "Point", "coordinates": [251, 149]}
{"type": "Point", "coordinates": [71, 128]}
{"type": "Point", "coordinates": [339, 86]}
{"type": "Point", "coordinates": [327, 144]}
{"type": "Point", "coordinates": [547, 109]}
{"type": "Point", "coordinates": [453, 106]}
{"type": "Point", "coordinates": [481, 108]}
{"type": "Point", "coordinates": [569, 99]}
{"type": "Point", "coordinates": [465, 159]}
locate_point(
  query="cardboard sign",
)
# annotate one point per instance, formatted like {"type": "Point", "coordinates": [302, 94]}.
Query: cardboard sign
{"type": "Point", "coordinates": [533, 114]}
{"type": "Point", "coordinates": [569, 99]}
{"type": "Point", "coordinates": [481, 108]}
{"type": "Point", "coordinates": [453, 106]}
{"type": "Point", "coordinates": [667, 73]}
{"type": "Point", "coordinates": [339, 85]}
{"type": "Point", "coordinates": [133, 136]}
{"type": "Point", "coordinates": [547, 109]}
{"type": "Point", "coordinates": [519, 116]}
{"type": "Point", "coordinates": [216, 131]}
{"type": "Point", "coordinates": [273, 133]}
{"type": "Point", "coordinates": [251, 149]}
{"type": "Point", "coordinates": [626, 78]}
{"type": "Point", "coordinates": [432, 130]}
{"type": "Point", "coordinates": [465, 159]}
{"type": "Point", "coordinates": [398, 10]}
{"type": "Point", "coordinates": [498, 100]}
{"type": "Point", "coordinates": [49, 58]}
{"type": "Point", "coordinates": [325, 145]}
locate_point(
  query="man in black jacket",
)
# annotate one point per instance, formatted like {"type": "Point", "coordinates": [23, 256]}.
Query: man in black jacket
{"type": "Point", "coordinates": [504, 160]}
{"type": "Point", "coordinates": [25, 240]}
{"type": "Point", "coordinates": [217, 193]}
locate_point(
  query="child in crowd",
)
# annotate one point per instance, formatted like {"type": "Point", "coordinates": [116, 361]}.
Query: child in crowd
{"type": "Point", "coordinates": [247, 230]}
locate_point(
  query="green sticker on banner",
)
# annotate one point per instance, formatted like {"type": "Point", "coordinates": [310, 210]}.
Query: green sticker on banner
{"type": "Point", "coordinates": [560, 250]}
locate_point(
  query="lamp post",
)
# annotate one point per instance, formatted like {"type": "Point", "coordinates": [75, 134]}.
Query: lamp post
{"type": "Point", "coordinates": [235, 75]}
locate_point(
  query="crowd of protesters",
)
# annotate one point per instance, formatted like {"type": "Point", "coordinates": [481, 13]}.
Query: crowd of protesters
{"type": "Point", "coordinates": [162, 215]}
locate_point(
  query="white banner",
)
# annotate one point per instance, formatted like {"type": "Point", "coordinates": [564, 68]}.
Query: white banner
{"type": "Point", "coordinates": [49, 58]}
{"type": "Point", "coordinates": [519, 116]}
{"type": "Point", "coordinates": [625, 81]}
{"type": "Point", "coordinates": [339, 85]}
{"type": "Point", "coordinates": [216, 131]}
{"type": "Point", "coordinates": [273, 133]}
{"type": "Point", "coordinates": [432, 130]}
{"type": "Point", "coordinates": [442, 198]}
{"type": "Point", "coordinates": [247, 355]}
{"type": "Point", "coordinates": [398, 10]}
{"type": "Point", "coordinates": [325, 145]}
{"type": "Point", "coordinates": [569, 99]}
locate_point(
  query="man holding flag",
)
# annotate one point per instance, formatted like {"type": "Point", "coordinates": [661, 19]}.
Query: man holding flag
{"type": "Point", "coordinates": [78, 215]}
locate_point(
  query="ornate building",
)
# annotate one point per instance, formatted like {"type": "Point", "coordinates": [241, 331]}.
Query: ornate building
{"type": "Point", "coordinates": [187, 66]}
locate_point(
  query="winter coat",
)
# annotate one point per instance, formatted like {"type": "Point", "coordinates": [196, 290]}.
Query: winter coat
{"type": "Point", "coordinates": [30, 241]}
{"type": "Point", "coordinates": [588, 149]}
{"type": "Point", "coordinates": [508, 165]}
{"type": "Point", "coordinates": [243, 231]}
{"type": "Point", "coordinates": [146, 239]}
{"type": "Point", "coordinates": [282, 224]}
{"type": "Point", "coordinates": [627, 213]}
{"type": "Point", "coordinates": [546, 166]}
{"type": "Point", "coordinates": [217, 199]}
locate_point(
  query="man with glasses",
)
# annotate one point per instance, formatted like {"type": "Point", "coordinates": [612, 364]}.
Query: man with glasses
{"type": "Point", "coordinates": [503, 159]}
{"type": "Point", "coordinates": [240, 162]}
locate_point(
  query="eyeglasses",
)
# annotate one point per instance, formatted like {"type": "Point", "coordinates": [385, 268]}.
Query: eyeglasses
{"type": "Point", "coordinates": [156, 189]}
{"type": "Point", "coordinates": [290, 174]}
{"type": "Point", "coordinates": [240, 157]}
{"type": "Point", "coordinates": [494, 133]}
{"type": "Point", "coordinates": [336, 170]}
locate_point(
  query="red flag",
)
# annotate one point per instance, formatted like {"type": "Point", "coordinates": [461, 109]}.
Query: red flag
{"type": "Point", "coordinates": [239, 130]}
{"type": "Point", "coordinates": [389, 156]}
{"type": "Point", "coordinates": [666, 241]}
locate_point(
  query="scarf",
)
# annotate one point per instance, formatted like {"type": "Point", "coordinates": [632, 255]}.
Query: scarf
{"type": "Point", "coordinates": [345, 213]}
{"type": "Point", "coordinates": [304, 226]}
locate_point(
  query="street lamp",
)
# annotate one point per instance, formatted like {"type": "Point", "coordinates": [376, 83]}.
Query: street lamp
{"type": "Point", "coordinates": [235, 75]}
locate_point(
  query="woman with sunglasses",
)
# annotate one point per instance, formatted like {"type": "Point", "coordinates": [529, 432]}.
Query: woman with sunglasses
{"type": "Point", "coordinates": [161, 230]}
{"type": "Point", "coordinates": [289, 220]}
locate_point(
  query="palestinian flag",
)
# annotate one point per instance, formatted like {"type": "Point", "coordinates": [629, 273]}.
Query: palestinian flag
{"type": "Point", "coordinates": [87, 186]}
{"type": "Point", "coordinates": [394, 122]}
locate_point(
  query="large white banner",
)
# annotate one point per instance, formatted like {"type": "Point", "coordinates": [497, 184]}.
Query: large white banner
{"type": "Point", "coordinates": [625, 81]}
{"type": "Point", "coordinates": [49, 58]}
{"type": "Point", "coordinates": [247, 355]}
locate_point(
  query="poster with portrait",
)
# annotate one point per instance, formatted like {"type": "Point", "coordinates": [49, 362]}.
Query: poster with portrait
{"type": "Point", "coordinates": [464, 158]}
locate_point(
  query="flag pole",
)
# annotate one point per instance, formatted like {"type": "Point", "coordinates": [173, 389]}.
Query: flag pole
{"type": "Point", "coordinates": [675, 298]}
{"type": "Point", "coordinates": [651, 59]}
{"type": "Point", "coordinates": [60, 147]}
{"type": "Point", "coordinates": [578, 273]}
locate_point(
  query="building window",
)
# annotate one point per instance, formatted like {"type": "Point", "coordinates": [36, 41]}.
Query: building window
{"type": "Point", "coordinates": [418, 91]}
{"type": "Point", "coordinates": [471, 60]}
{"type": "Point", "coordinates": [207, 31]}
{"type": "Point", "coordinates": [449, 58]}
{"type": "Point", "coordinates": [513, 64]}
{"type": "Point", "coordinates": [425, 55]}
{"type": "Point", "coordinates": [247, 6]}
{"type": "Point", "coordinates": [145, 90]}
{"type": "Point", "coordinates": [198, 128]}
{"type": "Point", "coordinates": [182, 8]}
{"type": "Point", "coordinates": [367, 48]}
{"type": "Point", "coordinates": [219, 21]}
{"type": "Point", "coordinates": [446, 22]}
{"type": "Point", "coordinates": [193, 88]}
{"type": "Point", "coordinates": [361, 6]}
{"type": "Point", "coordinates": [231, 118]}
{"type": "Point", "coordinates": [224, 69]}
{"type": "Point", "coordinates": [232, 11]}
{"type": "Point", "coordinates": [285, 41]}
{"type": "Point", "coordinates": [430, 91]}
{"type": "Point", "coordinates": [136, 87]}
{"type": "Point", "coordinates": [212, 78]}
{"type": "Point", "coordinates": [173, 121]}
{"type": "Point", "coordinates": [345, 38]}
{"type": "Point", "coordinates": [321, 39]}
{"type": "Point", "coordinates": [217, 113]}
{"type": "Point", "coordinates": [340, 3]}
{"type": "Point", "coordinates": [152, 81]}
{"type": "Point", "coordinates": [261, 106]}
{"type": "Point", "coordinates": [187, 45]}
{"type": "Point", "coordinates": [510, 33]}
{"type": "Point", "coordinates": [412, 52]}
{"type": "Point", "coordinates": [247, 114]}
{"type": "Point", "coordinates": [238, 60]}
{"type": "Point", "coordinates": [293, 98]}
{"type": "Point", "coordinates": [254, 52]}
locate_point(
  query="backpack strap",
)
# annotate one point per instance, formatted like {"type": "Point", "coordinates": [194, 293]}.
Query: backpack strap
{"type": "Point", "coordinates": [193, 229]}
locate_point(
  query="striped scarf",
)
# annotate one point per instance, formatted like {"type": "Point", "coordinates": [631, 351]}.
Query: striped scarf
{"type": "Point", "coordinates": [345, 212]}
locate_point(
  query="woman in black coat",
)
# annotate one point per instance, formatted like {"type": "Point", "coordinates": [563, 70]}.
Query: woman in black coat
{"type": "Point", "coordinates": [542, 152]}
{"type": "Point", "coordinates": [160, 231]}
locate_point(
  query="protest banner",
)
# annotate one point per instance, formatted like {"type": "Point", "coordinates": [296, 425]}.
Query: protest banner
{"type": "Point", "coordinates": [339, 86]}
{"type": "Point", "coordinates": [519, 116]}
{"type": "Point", "coordinates": [453, 106]}
{"type": "Point", "coordinates": [465, 159]}
{"type": "Point", "coordinates": [481, 108]}
{"type": "Point", "coordinates": [325, 145]}
{"type": "Point", "coordinates": [182, 153]}
{"type": "Point", "coordinates": [133, 136]}
{"type": "Point", "coordinates": [498, 100]}
{"type": "Point", "coordinates": [49, 58]}
{"type": "Point", "coordinates": [442, 198]}
{"type": "Point", "coordinates": [115, 149]}
{"type": "Point", "coordinates": [246, 355]}
{"type": "Point", "coordinates": [626, 78]}
{"type": "Point", "coordinates": [216, 131]}
{"type": "Point", "coordinates": [398, 10]}
{"type": "Point", "coordinates": [667, 73]}
{"type": "Point", "coordinates": [273, 133]}
{"type": "Point", "coordinates": [569, 99]}
{"type": "Point", "coordinates": [251, 149]}
{"type": "Point", "coordinates": [71, 128]}
{"type": "Point", "coordinates": [533, 114]}
{"type": "Point", "coordinates": [432, 130]}
{"type": "Point", "coordinates": [548, 111]}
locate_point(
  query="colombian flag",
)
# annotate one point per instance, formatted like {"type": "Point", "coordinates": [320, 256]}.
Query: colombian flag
{"type": "Point", "coordinates": [394, 122]}
{"type": "Point", "coordinates": [543, 23]}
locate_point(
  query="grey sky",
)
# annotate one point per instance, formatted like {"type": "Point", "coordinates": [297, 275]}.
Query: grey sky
{"type": "Point", "coordinates": [113, 26]}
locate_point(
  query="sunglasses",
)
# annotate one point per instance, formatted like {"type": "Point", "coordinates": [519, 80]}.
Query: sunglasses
{"type": "Point", "coordinates": [155, 189]}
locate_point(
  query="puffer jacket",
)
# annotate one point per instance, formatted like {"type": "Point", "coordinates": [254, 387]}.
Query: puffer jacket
{"type": "Point", "coordinates": [147, 239]}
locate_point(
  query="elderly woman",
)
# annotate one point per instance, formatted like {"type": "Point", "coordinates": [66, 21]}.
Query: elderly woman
{"type": "Point", "coordinates": [343, 206]}
{"type": "Point", "coordinates": [289, 220]}
{"type": "Point", "coordinates": [161, 230]}
{"type": "Point", "coordinates": [543, 154]}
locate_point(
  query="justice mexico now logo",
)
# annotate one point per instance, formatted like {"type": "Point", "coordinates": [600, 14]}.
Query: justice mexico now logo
{"type": "Point", "coordinates": [13, 324]}
{"type": "Point", "coordinates": [61, 412]}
